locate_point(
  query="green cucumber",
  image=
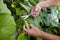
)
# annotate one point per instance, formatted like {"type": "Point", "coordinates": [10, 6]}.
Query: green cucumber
{"type": "Point", "coordinates": [26, 24]}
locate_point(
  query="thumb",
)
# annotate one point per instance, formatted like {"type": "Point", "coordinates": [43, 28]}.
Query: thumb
{"type": "Point", "coordinates": [25, 28]}
{"type": "Point", "coordinates": [37, 8]}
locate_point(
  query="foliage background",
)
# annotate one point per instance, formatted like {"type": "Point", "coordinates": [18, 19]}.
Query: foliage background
{"type": "Point", "coordinates": [11, 22]}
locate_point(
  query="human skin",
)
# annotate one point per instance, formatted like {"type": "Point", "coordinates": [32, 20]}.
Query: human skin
{"type": "Point", "coordinates": [44, 4]}
{"type": "Point", "coordinates": [34, 31]}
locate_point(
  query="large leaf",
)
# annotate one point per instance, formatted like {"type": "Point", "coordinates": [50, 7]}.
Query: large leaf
{"type": "Point", "coordinates": [26, 7]}
{"type": "Point", "coordinates": [3, 8]}
{"type": "Point", "coordinates": [7, 26]}
{"type": "Point", "coordinates": [7, 23]}
{"type": "Point", "coordinates": [20, 12]}
{"type": "Point", "coordinates": [54, 17]}
{"type": "Point", "coordinates": [44, 21]}
{"type": "Point", "coordinates": [23, 37]}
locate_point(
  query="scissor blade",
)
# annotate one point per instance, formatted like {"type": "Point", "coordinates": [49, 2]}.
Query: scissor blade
{"type": "Point", "coordinates": [26, 16]}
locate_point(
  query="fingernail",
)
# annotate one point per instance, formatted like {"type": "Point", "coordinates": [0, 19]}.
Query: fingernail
{"type": "Point", "coordinates": [36, 9]}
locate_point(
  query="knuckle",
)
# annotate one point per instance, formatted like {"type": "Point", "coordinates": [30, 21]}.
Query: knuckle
{"type": "Point", "coordinates": [28, 33]}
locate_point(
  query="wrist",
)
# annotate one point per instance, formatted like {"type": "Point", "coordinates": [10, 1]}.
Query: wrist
{"type": "Point", "coordinates": [45, 4]}
{"type": "Point", "coordinates": [42, 34]}
{"type": "Point", "coordinates": [40, 5]}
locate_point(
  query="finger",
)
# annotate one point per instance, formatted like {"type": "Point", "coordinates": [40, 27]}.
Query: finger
{"type": "Point", "coordinates": [34, 14]}
{"type": "Point", "coordinates": [24, 29]}
{"type": "Point", "coordinates": [32, 9]}
{"type": "Point", "coordinates": [24, 32]}
{"type": "Point", "coordinates": [37, 8]}
{"type": "Point", "coordinates": [32, 26]}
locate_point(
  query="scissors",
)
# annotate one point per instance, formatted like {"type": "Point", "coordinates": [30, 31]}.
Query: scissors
{"type": "Point", "coordinates": [25, 16]}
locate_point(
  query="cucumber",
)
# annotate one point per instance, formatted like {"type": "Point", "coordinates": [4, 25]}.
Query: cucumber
{"type": "Point", "coordinates": [26, 24]}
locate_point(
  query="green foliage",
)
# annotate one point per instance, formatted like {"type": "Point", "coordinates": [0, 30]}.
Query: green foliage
{"type": "Point", "coordinates": [46, 21]}
{"type": "Point", "coordinates": [7, 23]}
{"type": "Point", "coordinates": [3, 8]}
{"type": "Point", "coordinates": [23, 37]}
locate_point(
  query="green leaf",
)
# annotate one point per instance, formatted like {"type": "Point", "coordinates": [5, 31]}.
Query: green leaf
{"type": "Point", "coordinates": [3, 8]}
{"type": "Point", "coordinates": [39, 38]}
{"type": "Point", "coordinates": [32, 2]}
{"type": "Point", "coordinates": [54, 17]}
{"type": "Point", "coordinates": [36, 22]}
{"type": "Point", "coordinates": [7, 26]}
{"type": "Point", "coordinates": [7, 23]}
{"type": "Point", "coordinates": [19, 12]}
{"type": "Point", "coordinates": [54, 23]}
{"type": "Point", "coordinates": [23, 37]}
{"type": "Point", "coordinates": [26, 7]}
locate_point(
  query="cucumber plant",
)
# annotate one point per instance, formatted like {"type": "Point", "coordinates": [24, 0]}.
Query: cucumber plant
{"type": "Point", "coordinates": [11, 23]}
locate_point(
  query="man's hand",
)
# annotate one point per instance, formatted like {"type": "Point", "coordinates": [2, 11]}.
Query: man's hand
{"type": "Point", "coordinates": [38, 33]}
{"type": "Point", "coordinates": [44, 4]}
{"type": "Point", "coordinates": [36, 10]}
{"type": "Point", "coordinates": [34, 31]}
